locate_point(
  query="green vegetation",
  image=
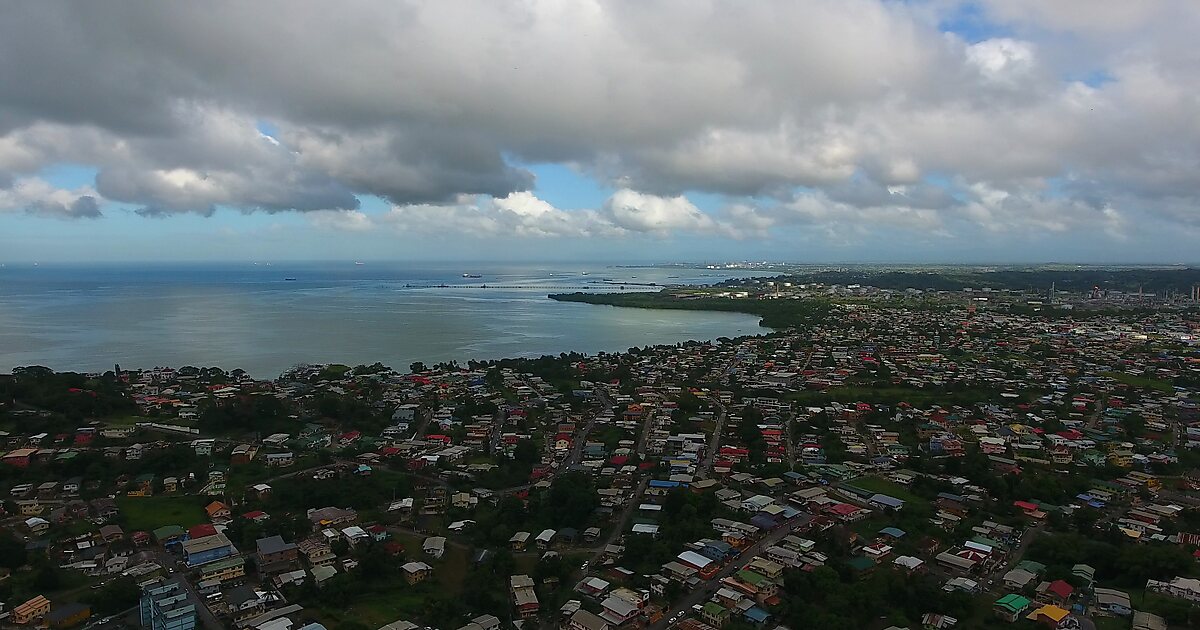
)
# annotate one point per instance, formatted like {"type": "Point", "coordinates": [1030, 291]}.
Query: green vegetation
{"type": "Point", "coordinates": [1150, 280]}
{"type": "Point", "coordinates": [776, 314]}
{"type": "Point", "coordinates": [148, 513]}
{"type": "Point", "coordinates": [1142, 382]}
{"type": "Point", "coordinates": [892, 489]}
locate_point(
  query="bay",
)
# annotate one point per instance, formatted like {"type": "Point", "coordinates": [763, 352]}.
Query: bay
{"type": "Point", "coordinates": [265, 318]}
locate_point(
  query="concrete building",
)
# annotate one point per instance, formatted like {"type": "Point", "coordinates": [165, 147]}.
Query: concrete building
{"type": "Point", "coordinates": [165, 606]}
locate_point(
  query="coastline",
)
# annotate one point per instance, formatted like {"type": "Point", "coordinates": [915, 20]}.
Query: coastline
{"type": "Point", "coordinates": [773, 314]}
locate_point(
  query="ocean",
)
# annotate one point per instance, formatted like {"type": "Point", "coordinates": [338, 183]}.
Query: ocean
{"type": "Point", "coordinates": [266, 318]}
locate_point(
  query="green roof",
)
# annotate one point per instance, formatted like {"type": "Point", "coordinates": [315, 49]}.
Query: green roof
{"type": "Point", "coordinates": [750, 577]}
{"type": "Point", "coordinates": [714, 609]}
{"type": "Point", "coordinates": [1013, 602]}
{"type": "Point", "coordinates": [987, 541]}
{"type": "Point", "coordinates": [220, 565]}
{"type": "Point", "coordinates": [1031, 566]}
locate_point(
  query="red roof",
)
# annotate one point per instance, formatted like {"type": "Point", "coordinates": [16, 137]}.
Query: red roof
{"type": "Point", "coordinates": [1025, 505]}
{"type": "Point", "coordinates": [843, 509]}
{"type": "Point", "coordinates": [202, 530]}
{"type": "Point", "coordinates": [256, 514]}
{"type": "Point", "coordinates": [619, 460]}
{"type": "Point", "coordinates": [1061, 589]}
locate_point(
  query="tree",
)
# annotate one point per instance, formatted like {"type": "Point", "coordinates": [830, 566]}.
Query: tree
{"type": "Point", "coordinates": [525, 452]}
{"type": "Point", "coordinates": [47, 578]}
{"type": "Point", "coordinates": [119, 594]}
{"type": "Point", "coordinates": [12, 552]}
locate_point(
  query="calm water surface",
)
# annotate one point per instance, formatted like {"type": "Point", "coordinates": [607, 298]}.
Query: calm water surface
{"type": "Point", "coordinates": [265, 319]}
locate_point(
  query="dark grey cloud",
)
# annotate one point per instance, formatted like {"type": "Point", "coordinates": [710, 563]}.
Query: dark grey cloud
{"type": "Point", "coordinates": [862, 105]}
{"type": "Point", "coordinates": [84, 207]}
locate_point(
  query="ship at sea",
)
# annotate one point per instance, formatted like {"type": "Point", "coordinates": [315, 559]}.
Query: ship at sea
{"type": "Point", "coordinates": [472, 275]}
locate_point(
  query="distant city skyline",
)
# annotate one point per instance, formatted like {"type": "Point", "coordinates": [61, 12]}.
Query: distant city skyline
{"type": "Point", "coordinates": [940, 131]}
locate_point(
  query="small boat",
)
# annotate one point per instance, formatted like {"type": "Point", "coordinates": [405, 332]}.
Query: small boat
{"type": "Point", "coordinates": [359, 263]}
{"type": "Point", "coordinates": [289, 279]}
{"type": "Point", "coordinates": [472, 275]}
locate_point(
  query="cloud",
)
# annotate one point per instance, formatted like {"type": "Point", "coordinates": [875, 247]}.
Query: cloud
{"type": "Point", "coordinates": [844, 115]}
{"type": "Point", "coordinates": [640, 212]}
{"type": "Point", "coordinates": [342, 220]}
{"type": "Point", "coordinates": [519, 215]}
{"type": "Point", "coordinates": [37, 197]}
{"type": "Point", "coordinates": [523, 215]}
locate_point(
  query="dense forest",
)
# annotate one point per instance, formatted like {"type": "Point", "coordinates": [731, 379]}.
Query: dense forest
{"type": "Point", "coordinates": [776, 314]}
{"type": "Point", "coordinates": [1149, 280]}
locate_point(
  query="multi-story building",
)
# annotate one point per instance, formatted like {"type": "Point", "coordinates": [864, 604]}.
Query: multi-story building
{"type": "Point", "coordinates": [165, 606]}
{"type": "Point", "coordinates": [227, 570]}
{"type": "Point", "coordinates": [275, 555]}
{"type": "Point", "coordinates": [32, 610]}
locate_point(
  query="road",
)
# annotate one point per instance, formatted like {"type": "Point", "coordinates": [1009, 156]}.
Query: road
{"type": "Point", "coordinates": [703, 593]}
{"type": "Point", "coordinates": [498, 419]}
{"type": "Point", "coordinates": [580, 439]}
{"type": "Point", "coordinates": [790, 425]}
{"type": "Point", "coordinates": [714, 441]}
{"type": "Point", "coordinates": [423, 423]}
{"type": "Point", "coordinates": [618, 526]}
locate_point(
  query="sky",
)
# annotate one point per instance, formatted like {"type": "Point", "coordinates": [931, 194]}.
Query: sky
{"type": "Point", "coordinates": [639, 130]}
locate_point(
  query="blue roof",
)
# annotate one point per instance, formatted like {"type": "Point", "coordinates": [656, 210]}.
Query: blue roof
{"type": "Point", "coordinates": [789, 512]}
{"type": "Point", "coordinates": [662, 483]}
{"type": "Point", "coordinates": [763, 521]}
{"type": "Point", "coordinates": [884, 499]}
{"type": "Point", "coordinates": [894, 532]}
{"type": "Point", "coordinates": [756, 614]}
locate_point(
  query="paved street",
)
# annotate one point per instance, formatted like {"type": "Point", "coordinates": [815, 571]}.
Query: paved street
{"type": "Point", "coordinates": [704, 592]}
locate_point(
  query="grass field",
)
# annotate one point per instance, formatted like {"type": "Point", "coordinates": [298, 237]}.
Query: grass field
{"type": "Point", "coordinates": [127, 421]}
{"type": "Point", "coordinates": [378, 609]}
{"type": "Point", "coordinates": [147, 513]}
{"type": "Point", "coordinates": [1143, 382]}
{"type": "Point", "coordinates": [890, 488]}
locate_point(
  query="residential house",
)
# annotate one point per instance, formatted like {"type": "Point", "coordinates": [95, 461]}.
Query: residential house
{"type": "Point", "coordinates": [208, 549]}
{"type": "Point", "coordinates": [1011, 607]}
{"type": "Point", "coordinates": [218, 512]}
{"type": "Point", "coordinates": [524, 598]}
{"type": "Point", "coordinates": [228, 570]}
{"type": "Point", "coordinates": [32, 610]}
{"type": "Point", "coordinates": [434, 546]}
{"type": "Point", "coordinates": [1112, 601]}
{"type": "Point", "coordinates": [584, 620]}
{"type": "Point", "coordinates": [416, 572]}
{"type": "Point", "coordinates": [275, 556]}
